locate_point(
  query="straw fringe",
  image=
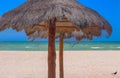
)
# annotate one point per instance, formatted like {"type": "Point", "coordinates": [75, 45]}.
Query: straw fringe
{"type": "Point", "coordinates": [34, 12]}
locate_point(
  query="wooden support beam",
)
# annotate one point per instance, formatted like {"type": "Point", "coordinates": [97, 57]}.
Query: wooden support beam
{"type": "Point", "coordinates": [61, 68]}
{"type": "Point", "coordinates": [51, 49]}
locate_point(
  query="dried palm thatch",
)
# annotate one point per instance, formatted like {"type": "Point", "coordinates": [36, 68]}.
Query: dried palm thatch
{"type": "Point", "coordinates": [73, 19]}
{"type": "Point", "coordinates": [3, 23]}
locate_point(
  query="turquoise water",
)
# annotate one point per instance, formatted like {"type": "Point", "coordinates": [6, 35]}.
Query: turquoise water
{"type": "Point", "coordinates": [43, 46]}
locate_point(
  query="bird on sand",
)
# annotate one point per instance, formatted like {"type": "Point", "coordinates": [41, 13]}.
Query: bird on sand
{"type": "Point", "coordinates": [115, 73]}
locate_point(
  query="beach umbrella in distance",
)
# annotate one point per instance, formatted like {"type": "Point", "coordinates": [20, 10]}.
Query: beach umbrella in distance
{"type": "Point", "coordinates": [55, 19]}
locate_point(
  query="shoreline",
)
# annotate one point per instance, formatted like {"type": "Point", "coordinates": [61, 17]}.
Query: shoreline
{"type": "Point", "coordinates": [64, 51]}
{"type": "Point", "coordinates": [77, 64]}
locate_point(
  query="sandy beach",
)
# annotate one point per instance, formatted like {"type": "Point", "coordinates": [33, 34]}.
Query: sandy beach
{"type": "Point", "coordinates": [77, 64]}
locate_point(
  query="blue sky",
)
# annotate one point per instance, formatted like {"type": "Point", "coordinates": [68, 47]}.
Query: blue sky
{"type": "Point", "coordinates": [109, 9]}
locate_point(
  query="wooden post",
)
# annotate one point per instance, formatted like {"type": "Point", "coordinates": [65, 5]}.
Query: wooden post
{"type": "Point", "coordinates": [61, 57]}
{"type": "Point", "coordinates": [51, 49]}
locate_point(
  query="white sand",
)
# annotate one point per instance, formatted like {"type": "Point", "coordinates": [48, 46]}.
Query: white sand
{"type": "Point", "coordinates": [77, 64]}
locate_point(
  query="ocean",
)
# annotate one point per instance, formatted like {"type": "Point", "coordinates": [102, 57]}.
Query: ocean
{"type": "Point", "coordinates": [68, 46]}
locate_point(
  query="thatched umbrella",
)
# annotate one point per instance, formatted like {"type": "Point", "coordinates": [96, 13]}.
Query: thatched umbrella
{"type": "Point", "coordinates": [53, 19]}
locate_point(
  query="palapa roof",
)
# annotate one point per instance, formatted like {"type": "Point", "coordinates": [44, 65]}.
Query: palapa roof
{"type": "Point", "coordinates": [73, 19]}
